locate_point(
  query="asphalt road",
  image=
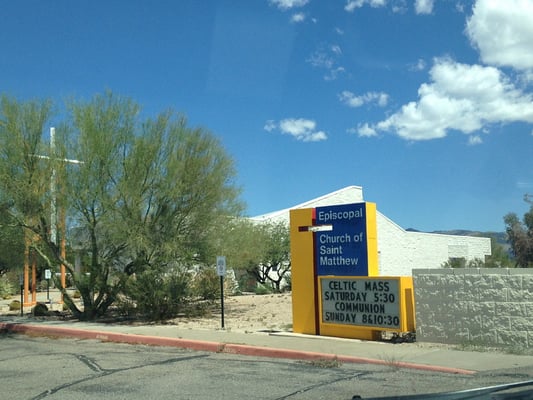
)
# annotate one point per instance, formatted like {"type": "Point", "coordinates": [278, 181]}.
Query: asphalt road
{"type": "Point", "coordinates": [42, 368]}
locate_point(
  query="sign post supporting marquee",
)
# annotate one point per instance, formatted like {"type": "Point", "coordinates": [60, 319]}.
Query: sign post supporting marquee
{"type": "Point", "coordinates": [336, 289]}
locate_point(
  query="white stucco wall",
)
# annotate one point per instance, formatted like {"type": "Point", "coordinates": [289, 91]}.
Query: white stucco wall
{"type": "Point", "coordinates": [400, 251]}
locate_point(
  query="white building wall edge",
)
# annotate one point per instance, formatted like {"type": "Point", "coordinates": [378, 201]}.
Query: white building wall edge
{"type": "Point", "coordinates": [401, 251]}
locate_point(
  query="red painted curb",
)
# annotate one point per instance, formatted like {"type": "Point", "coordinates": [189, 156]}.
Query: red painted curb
{"type": "Point", "coordinates": [312, 356]}
{"type": "Point", "coordinates": [215, 347]}
{"type": "Point", "coordinates": [104, 336]}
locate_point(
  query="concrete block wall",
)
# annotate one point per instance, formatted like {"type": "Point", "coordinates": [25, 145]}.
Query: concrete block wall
{"type": "Point", "coordinates": [486, 306]}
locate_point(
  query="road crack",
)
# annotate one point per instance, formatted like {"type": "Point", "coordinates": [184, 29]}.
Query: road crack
{"type": "Point", "coordinates": [326, 383]}
{"type": "Point", "coordinates": [101, 372]}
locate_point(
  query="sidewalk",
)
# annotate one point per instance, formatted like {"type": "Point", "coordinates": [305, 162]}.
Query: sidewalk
{"type": "Point", "coordinates": [424, 356]}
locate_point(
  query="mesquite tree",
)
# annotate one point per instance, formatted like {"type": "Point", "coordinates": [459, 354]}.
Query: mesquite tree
{"type": "Point", "coordinates": [145, 194]}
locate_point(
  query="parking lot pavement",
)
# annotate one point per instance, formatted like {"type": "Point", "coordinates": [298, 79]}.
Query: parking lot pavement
{"type": "Point", "coordinates": [424, 356]}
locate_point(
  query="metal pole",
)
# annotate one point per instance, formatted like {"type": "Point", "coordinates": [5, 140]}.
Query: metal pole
{"type": "Point", "coordinates": [21, 294]}
{"type": "Point", "coordinates": [53, 210]}
{"type": "Point", "coordinates": [222, 299]}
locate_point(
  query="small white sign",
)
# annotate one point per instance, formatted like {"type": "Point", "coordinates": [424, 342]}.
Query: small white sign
{"type": "Point", "coordinates": [221, 265]}
{"type": "Point", "coordinates": [47, 274]}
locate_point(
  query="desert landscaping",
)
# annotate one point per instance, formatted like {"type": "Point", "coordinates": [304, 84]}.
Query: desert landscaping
{"type": "Point", "coordinates": [243, 313]}
{"type": "Point", "coordinates": [247, 313]}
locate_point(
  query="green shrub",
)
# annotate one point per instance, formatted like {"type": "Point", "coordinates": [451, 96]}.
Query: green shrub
{"type": "Point", "coordinates": [206, 284]}
{"type": "Point", "coordinates": [14, 305]}
{"type": "Point", "coordinates": [263, 289]}
{"type": "Point", "coordinates": [40, 310]}
{"type": "Point", "coordinates": [125, 306]}
{"type": "Point", "coordinates": [159, 295]}
{"type": "Point", "coordinates": [288, 283]}
{"type": "Point", "coordinates": [6, 288]}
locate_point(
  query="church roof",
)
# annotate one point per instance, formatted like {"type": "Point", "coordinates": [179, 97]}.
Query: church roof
{"type": "Point", "coordinates": [347, 195]}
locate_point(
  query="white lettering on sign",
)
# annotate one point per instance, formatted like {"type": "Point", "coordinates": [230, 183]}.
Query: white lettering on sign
{"type": "Point", "coordinates": [361, 301]}
{"type": "Point", "coordinates": [328, 216]}
{"type": "Point", "coordinates": [342, 250]}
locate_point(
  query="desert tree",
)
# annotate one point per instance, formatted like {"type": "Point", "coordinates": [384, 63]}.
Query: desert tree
{"type": "Point", "coordinates": [277, 262]}
{"type": "Point", "coordinates": [520, 235]}
{"type": "Point", "coordinates": [259, 250]}
{"type": "Point", "coordinates": [146, 195]}
{"type": "Point", "coordinates": [24, 176]}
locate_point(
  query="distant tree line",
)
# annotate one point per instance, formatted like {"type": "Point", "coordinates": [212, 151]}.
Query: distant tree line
{"type": "Point", "coordinates": [519, 235]}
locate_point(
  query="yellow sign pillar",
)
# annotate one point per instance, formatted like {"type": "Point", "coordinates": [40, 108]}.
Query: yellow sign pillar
{"type": "Point", "coordinates": [304, 289]}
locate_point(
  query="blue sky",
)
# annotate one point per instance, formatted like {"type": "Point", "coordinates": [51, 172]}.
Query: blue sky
{"type": "Point", "coordinates": [428, 105]}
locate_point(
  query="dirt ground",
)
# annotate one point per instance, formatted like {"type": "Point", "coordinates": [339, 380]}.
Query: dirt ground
{"type": "Point", "coordinates": [247, 313]}
{"type": "Point", "coordinates": [244, 313]}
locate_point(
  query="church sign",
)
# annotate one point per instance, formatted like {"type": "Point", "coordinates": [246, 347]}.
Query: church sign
{"type": "Point", "coordinates": [364, 302]}
{"type": "Point", "coordinates": [336, 287]}
{"type": "Point", "coordinates": [343, 249]}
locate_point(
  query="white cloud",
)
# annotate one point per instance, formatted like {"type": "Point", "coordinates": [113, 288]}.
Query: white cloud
{"type": "Point", "coordinates": [336, 49]}
{"type": "Point", "coordinates": [420, 65]}
{"type": "Point", "coordinates": [351, 5]}
{"type": "Point", "coordinates": [399, 7]}
{"type": "Point", "coordinates": [321, 59]}
{"type": "Point", "coordinates": [351, 100]}
{"type": "Point", "coordinates": [288, 4]}
{"type": "Point", "coordinates": [424, 6]}
{"type": "Point", "coordinates": [326, 57]}
{"type": "Point", "coordinates": [334, 73]}
{"type": "Point", "coordinates": [474, 140]}
{"type": "Point", "coordinates": [460, 97]}
{"type": "Point", "coordinates": [365, 130]}
{"type": "Point", "coordinates": [300, 128]}
{"type": "Point", "coordinates": [503, 32]}
{"type": "Point", "coordinates": [299, 17]}
{"type": "Point", "coordinates": [524, 184]}
{"type": "Point", "coordinates": [270, 125]}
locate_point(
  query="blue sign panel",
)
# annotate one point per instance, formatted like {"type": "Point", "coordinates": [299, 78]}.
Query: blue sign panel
{"type": "Point", "coordinates": [343, 250]}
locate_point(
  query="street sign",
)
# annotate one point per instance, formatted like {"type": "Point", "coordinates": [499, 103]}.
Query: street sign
{"type": "Point", "coordinates": [221, 271]}
{"type": "Point", "coordinates": [47, 274]}
{"type": "Point", "coordinates": [221, 265]}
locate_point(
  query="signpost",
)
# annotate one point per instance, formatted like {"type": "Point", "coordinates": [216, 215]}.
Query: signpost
{"type": "Point", "coordinates": [21, 281]}
{"type": "Point", "coordinates": [47, 276]}
{"type": "Point", "coordinates": [221, 271]}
